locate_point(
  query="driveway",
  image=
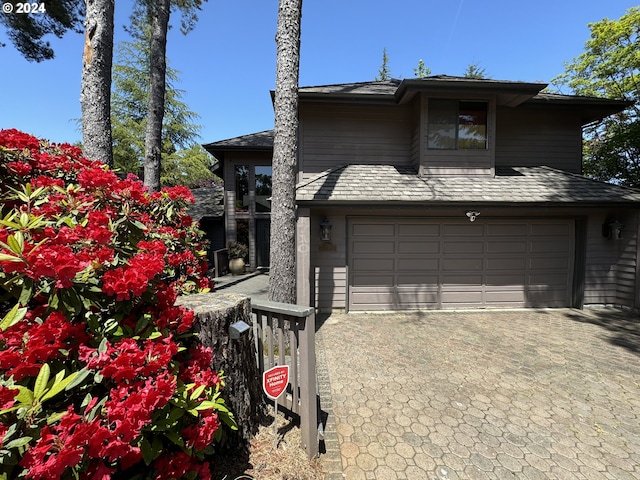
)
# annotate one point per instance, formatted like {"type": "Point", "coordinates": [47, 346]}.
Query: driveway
{"type": "Point", "coordinates": [527, 394]}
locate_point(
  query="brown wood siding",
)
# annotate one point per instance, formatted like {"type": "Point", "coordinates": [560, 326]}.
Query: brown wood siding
{"type": "Point", "coordinates": [611, 265]}
{"type": "Point", "coordinates": [534, 137]}
{"type": "Point", "coordinates": [627, 263]}
{"type": "Point", "coordinates": [416, 151]}
{"type": "Point", "coordinates": [329, 263]}
{"type": "Point", "coordinates": [335, 135]}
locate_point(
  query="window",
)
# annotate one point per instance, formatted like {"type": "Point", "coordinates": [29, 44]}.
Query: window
{"type": "Point", "coordinates": [457, 125]}
{"type": "Point", "coordinates": [242, 188]}
{"type": "Point", "coordinates": [263, 189]}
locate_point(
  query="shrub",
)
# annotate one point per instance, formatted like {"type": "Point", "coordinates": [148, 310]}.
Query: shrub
{"type": "Point", "coordinates": [99, 373]}
{"type": "Point", "coordinates": [237, 250]}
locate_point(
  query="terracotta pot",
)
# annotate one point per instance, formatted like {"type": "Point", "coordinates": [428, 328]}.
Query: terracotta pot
{"type": "Point", "coordinates": [236, 266]}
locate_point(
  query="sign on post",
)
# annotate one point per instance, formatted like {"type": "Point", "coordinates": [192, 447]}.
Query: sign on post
{"type": "Point", "coordinates": [275, 381]}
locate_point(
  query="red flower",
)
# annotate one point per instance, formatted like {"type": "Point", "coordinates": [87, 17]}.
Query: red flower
{"type": "Point", "coordinates": [97, 178]}
{"type": "Point", "coordinates": [13, 138]}
{"type": "Point", "coordinates": [201, 435]}
{"type": "Point", "coordinates": [7, 398]}
{"type": "Point", "coordinates": [58, 448]}
{"type": "Point", "coordinates": [19, 168]}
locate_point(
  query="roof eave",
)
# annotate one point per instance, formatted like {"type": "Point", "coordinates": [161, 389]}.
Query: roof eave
{"type": "Point", "coordinates": [507, 93]}
{"type": "Point", "coordinates": [390, 204]}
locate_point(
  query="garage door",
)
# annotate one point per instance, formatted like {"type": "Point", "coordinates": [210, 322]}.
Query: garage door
{"type": "Point", "coordinates": [417, 264]}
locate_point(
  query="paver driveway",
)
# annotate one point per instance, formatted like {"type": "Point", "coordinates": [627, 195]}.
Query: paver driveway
{"type": "Point", "coordinates": [530, 394]}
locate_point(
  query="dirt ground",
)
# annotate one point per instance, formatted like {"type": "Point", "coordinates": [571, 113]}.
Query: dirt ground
{"type": "Point", "coordinates": [286, 462]}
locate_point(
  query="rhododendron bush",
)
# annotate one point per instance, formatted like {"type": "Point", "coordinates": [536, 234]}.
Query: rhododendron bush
{"type": "Point", "coordinates": [100, 376]}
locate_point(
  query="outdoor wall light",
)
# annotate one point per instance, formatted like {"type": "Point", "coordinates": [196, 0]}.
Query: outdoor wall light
{"type": "Point", "coordinates": [238, 330]}
{"type": "Point", "coordinates": [472, 215]}
{"type": "Point", "coordinates": [613, 229]}
{"type": "Point", "coordinates": [325, 230]}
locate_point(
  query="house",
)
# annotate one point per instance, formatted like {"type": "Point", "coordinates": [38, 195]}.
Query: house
{"type": "Point", "coordinates": [443, 192]}
{"type": "Point", "coordinates": [208, 211]}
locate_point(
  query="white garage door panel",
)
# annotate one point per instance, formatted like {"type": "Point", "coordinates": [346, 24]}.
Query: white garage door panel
{"type": "Point", "coordinates": [419, 263]}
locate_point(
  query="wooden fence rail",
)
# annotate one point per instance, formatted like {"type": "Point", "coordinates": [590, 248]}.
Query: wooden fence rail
{"type": "Point", "coordinates": [285, 334]}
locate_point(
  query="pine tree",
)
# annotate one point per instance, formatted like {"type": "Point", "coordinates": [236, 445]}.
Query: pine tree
{"type": "Point", "coordinates": [282, 283]}
{"type": "Point", "coordinates": [95, 90]}
{"type": "Point", "coordinates": [183, 161]}
{"type": "Point", "coordinates": [384, 73]}
{"type": "Point", "coordinates": [421, 70]}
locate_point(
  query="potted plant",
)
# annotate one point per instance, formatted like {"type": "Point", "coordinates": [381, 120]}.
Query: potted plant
{"type": "Point", "coordinates": [237, 251]}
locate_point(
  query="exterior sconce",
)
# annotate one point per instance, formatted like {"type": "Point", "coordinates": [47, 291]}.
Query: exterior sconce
{"type": "Point", "coordinates": [613, 229]}
{"type": "Point", "coordinates": [325, 230]}
{"type": "Point", "coordinates": [238, 330]}
{"type": "Point", "coordinates": [472, 215]}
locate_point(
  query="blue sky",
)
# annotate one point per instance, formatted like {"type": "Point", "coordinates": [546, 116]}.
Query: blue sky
{"type": "Point", "coordinates": [227, 64]}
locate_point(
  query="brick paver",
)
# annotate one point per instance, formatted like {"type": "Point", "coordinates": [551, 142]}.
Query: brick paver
{"type": "Point", "coordinates": [527, 394]}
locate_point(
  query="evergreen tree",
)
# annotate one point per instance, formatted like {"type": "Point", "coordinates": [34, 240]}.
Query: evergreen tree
{"type": "Point", "coordinates": [474, 70]}
{"type": "Point", "coordinates": [183, 162]}
{"type": "Point", "coordinates": [158, 12]}
{"type": "Point", "coordinates": [282, 285]}
{"type": "Point", "coordinates": [421, 70]}
{"type": "Point", "coordinates": [26, 31]}
{"type": "Point", "coordinates": [95, 89]}
{"type": "Point", "coordinates": [384, 73]}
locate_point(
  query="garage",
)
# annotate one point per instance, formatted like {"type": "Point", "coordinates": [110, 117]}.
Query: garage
{"type": "Point", "coordinates": [417, 263]}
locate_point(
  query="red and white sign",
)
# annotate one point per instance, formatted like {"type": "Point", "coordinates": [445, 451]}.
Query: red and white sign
{"type": "Point", "coordinates": [275, 380]}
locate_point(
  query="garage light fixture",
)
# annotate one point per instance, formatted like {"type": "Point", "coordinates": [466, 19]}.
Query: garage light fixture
{"type": "Point", "coordinates": [472, 215]}
{"type": "Point", "coordinates": [612, 229]}
{"type": "Point", "coordinates": [325, 230]}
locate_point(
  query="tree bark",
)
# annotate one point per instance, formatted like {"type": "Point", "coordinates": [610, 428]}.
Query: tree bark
{"type": "Point", "coordinates": [95, 91]}
{"type": "Point", "coordinates": [215, 312]}
{"type": "Point", "coordinates": [282, 282]}
{"type": "Point", "coordinates": [160, 11]}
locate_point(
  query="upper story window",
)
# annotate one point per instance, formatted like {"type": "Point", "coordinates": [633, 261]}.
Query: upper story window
{"type": "Point", "coordinates": [457, 125]}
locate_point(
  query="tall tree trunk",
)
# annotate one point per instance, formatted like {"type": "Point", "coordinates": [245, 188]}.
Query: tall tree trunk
{"type": "Point", "coordinates": [282, 281]}
{"type": "Point", "coordinates": [95, 91]}
{"type": "Point", "coordinates": [160, 11]}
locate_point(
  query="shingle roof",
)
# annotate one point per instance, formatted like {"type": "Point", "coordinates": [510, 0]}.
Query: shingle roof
{"type": "Point", "coordinates": [516, 185]}
{"type": "Point", "coordinates": [208, 203]}
{"type": "Point", "coordinates": [263, 140]}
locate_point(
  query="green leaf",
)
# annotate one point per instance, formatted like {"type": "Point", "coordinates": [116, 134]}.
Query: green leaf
{"type": "Point", "coordinates": [25, 396]}
{"type": "Point", "coordinates": [14, 316]}
{"type": "Point", "coordinates": [208, 405]}
{"type": "Point", "coordinates": [18, 442]}
{"type": "Point", "coordinates": [175, 438]}
{"type": "Point", "coordinates": [197, 392]}
{"type": "Point", "coordinates": [147, 452]}
{"type": "Point", "coordinates": [78, 379]}
{"type": "Point", "coordinates": [102, 348]}
{"type": "Point", "coordinates": [26, 293]}
{"type": "Point", "coordinates": [16, 243]}
{"type": "Point", "coordinates": [55, 417]}
{"type": "Point", "coordinates": [59, 385]}
{"type": "Point", "coordinates": [41, 381]}
{"type": "Point", "coordinates": [4, 257]}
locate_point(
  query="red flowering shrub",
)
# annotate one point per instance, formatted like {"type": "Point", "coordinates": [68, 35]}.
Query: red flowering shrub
{"type": "Point", "coordinates": [99, 377]}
